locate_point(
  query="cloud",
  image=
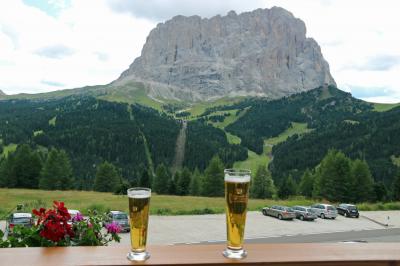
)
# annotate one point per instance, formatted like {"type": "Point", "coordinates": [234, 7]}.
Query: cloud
{"type": "Point", "coordinates": [161, 10]}
{"type": "Point", "coordinates": [102, 56]}
{"type": "Point", "coordinates": [52, 83]}
{"type": "Point", "coordinates": [380, 63]}
{"type": "Point", "coordinates": [368, 92]}
{"type": "Point", "coordinates": [56, 51]}
{"type": "Point", "coordinates": [358, 38]}
{"type": "Point", "coordinates": [86, 43]}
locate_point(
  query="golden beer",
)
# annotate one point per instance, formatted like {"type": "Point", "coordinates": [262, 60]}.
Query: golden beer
{"type": "Point", "coordinates": [139, 203]}
{"type": "Point", "coordinates": [237, 184]}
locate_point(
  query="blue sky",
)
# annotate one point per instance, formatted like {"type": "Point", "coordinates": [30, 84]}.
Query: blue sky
{"type": "Point", "coordinates": [58, 44]}
{"type": "Point", "coordinates": [52, 8]}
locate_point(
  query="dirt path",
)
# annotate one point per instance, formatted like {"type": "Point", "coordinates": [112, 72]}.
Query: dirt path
{"type": "Point", "coordinates": [180, 148]}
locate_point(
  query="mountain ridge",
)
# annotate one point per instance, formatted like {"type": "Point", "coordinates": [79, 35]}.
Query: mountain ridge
{"type": "Point", "coordinates": [264, 52]}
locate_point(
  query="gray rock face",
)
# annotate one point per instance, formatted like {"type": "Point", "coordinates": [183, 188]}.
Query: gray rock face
{"type": "Point", "coordinates": [260, 53]}
{"type": "Point", "coordinates": [2, 93]}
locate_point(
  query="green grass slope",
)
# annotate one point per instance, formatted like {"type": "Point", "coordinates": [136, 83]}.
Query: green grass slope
{"type": "Point", "coordinates": [383, 107]}
{"type": "Point", "coordinates": [159, 204]}
{"type": "Point", "coordinates": [254, 160]}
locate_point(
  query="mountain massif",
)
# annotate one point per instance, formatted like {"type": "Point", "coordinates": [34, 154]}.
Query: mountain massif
{"type": "Point", "coordinates": [260, 53]}
{"type": "Point", "coordinates": [251, 89]}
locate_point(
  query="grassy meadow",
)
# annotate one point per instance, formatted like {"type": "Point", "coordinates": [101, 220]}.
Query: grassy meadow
{"type": "Point", "coordinates": [160, 204]}
{"type": "Point", "coordinates": [383, 107]}
{"type": "Point", "coordinates": [85, 200]}
{"type": "Point", "coordinates": [254, 160]}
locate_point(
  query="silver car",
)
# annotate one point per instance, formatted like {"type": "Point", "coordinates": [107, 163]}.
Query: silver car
{"type": "Point", "coordinates": [324, 211]}
{"type": "Point", "coordinates": [120, 218]}
{"type": "Point", "coordinates": [280, 212]}
{"type": "Point", "coordinates": [304, 213]}
{"type": "Point", "coordinates": [19, 219]}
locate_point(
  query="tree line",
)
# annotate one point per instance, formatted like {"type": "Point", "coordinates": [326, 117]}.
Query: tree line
{"type": "Point", "coordinates": [337, 178]}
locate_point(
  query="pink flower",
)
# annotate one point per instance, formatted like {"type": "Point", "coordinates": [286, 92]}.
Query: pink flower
{"type": "Point", "coordinates": [113, 228]}
{"type": "Point", "coordinates": [77, 218]}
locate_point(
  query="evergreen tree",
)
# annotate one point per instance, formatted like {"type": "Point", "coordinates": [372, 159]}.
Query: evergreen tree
{"type": "Point", "coordinates": [122, 187]}
{"type": "Point", "coordinates": [213, 185]}
{"type": "Point", "coordinates": [381, 192]}
{"type": "Point", "coordinates": [65, 179]}
{"type": "Point", "coordinates": [287, 188]}
{"type": "Point", "coordinates": [335, 177]}
{"type": "Point", "coordinates": [262, 185]}
{"type": "Point", "coordinates": [316, 192]}
{"type": "Point", "coordinates": [306, 185]}
{"type": "Point", "coordinates": [172, 186]}
{"type": "Point", "coordinates": [145, 178]}
{"type": "Point", "coordinates": [396, 188]}
{"type": "Point", "coordinates": [56, 172]}
{"type": "Point", "coordinates": [363, 188]}
{"type": "Point", "coordinates": [183, 182]}
{"type": "Point", "coordinates": [7, 172]}
{"type": "Point", "coordinates": [195, 183]}
{"type": "Point", "coordinates": [161, 180]}
{"type": "Point", "coordinates": [107, 178]}
{"type": "Point", "coordinates": [27, 166]}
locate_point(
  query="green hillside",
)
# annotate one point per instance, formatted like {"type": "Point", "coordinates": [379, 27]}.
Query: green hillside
{"type": "Point", "coordinates": [123, 125]}
{"type": "Point", "coordinates": [383, 107]}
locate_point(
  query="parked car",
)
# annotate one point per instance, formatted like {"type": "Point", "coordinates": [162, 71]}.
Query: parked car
{"type": "Point", "coordinates": [18, 218]}
{"type": "Point", "coordinates": [348, 210]}
{"type": "Point", "coordinates": [280, 212]}
{"type": "Point", "coordinates": [304, 213]}
{"type": "Point", "coordinates": [120, 218]}
{"type": "Point", "coordinates": [324, 211]}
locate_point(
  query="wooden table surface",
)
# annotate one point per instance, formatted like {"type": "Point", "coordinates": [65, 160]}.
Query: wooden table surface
{"type": "Point", "coordinates": [258, 254]}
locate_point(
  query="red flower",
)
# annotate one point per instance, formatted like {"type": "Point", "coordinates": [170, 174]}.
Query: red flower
{"type": "Point", "coordinates": [54, 222]}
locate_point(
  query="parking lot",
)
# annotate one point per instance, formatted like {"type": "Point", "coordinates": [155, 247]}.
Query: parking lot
{"type": "Point", "coordinates": [191, 229]}
{"type": "Point", "coordinates": [200, 228]}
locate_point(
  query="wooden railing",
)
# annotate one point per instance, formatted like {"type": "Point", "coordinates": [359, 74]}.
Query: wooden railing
{"type": "Point", "coordinates": [354, 254]}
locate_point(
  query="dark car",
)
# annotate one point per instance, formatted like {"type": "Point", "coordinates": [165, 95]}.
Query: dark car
{"type": "Point", "coordinates": [18, 219]}
{"type": "Point", "coordinates": [280, 212]}
{"type": "Point", "coordinates": [348, 210]}
{"type": "Point", "coordinates": [304, 213]}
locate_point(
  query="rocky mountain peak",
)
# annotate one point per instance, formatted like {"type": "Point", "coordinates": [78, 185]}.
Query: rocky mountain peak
{"type": "Point", "coordinates": [260, 53]}
{"type": "Point", "coordinates": [2, 93]}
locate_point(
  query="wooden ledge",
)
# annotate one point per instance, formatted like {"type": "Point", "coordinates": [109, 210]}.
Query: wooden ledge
{"type": "Point", "coordinates": [258, 254]}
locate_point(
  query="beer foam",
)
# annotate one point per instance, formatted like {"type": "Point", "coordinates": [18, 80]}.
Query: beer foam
{"type": "Point", "coordinates": [237, 178]}
{"type": "Point", "coordinates": [139, 194]}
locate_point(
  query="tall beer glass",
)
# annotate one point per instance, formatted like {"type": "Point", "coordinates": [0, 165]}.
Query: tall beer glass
{"type": "Point", "coordinates": [139, 202]}
{"type": "Point", "coordinates": [237, 184]}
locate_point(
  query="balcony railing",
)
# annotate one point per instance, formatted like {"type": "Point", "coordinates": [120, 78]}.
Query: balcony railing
{"type": "Point", "coordinates": [354, 254]}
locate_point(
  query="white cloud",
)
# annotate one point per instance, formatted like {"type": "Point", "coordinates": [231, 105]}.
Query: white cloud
{"type": "Point", "coordinates": [359, 39]}
{"type": "Point", "coordinates": [86, 44]}
{"type": "Point", "coordinates": [160, 10]}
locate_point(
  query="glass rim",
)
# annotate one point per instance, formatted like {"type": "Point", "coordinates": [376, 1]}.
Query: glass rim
{"type": "Point", "coordinates": [138, 191]}
{"type": "Point", "coordinates": [139, 188]}
{"type": "Point", "coordinates": [237, 172]}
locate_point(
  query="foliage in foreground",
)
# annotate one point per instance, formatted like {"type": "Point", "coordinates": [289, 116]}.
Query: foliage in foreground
{"type": "Point", "coordinates": [56, 227]}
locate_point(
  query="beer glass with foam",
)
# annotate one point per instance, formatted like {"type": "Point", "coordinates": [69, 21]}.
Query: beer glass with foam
{"type": "Point", "coordinates": [237, 182]}
{"type": "Point", "coordinates": [139, 202]}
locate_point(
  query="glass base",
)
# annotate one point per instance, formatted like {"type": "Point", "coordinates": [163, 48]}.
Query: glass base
{"type": "Point", "coordinates": [138, 256]}
{"type": "Point", "coordinates": [236, 254]}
